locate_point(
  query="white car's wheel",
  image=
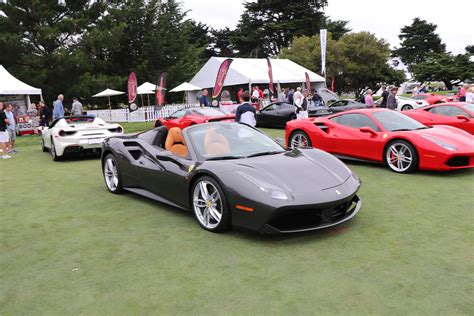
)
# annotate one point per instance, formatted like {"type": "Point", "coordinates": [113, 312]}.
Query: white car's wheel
{"type": "Point", "coordinates": [407, 107]}
{"type": "Point", "coordinates": [43, 147]}
{"type": "Point", "coordinates": [53, 152]}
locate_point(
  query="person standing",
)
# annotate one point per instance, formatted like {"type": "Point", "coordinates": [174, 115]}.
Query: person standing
{"type": "Point", "coordinates": [58, 107]}
{"type": "Point", "coordinates": [44, 114]}
{"type": "Point", "coordinates": [76, 107]}
{"type": "Point", "coordinates": [261, 96]}
{"type": "Point", "coordinates": [290, 95]}
{"type": "Point", "coordinates": [3, 133]}
{"type": "Point", "coordinates": [11, 129]}
{"type": "Point", "coordinates": [392, 99]}
{"type": "Point", "coordinates": [369, 100]}
{"type": "Point", "coordinates": [239, 95]}
{"type": "Point", "coordinates": [245, 112]}
{"type": "Point", "coordinates": [282, 96]}
{"type": "Point", "coordinates": [462, 93]}
{"type": "Point", "coordinates": [255, 94]}
{"type": "Point", "coordinates": [317, 99]}
{"type": "Point", "coordinates": [385, 94]}
{"type": "Point", "coordinates": [203, 101]}
{"type": "Point", "coordinates": [298, 97]}
{"type": "Point", "coordinates": [303, 109]}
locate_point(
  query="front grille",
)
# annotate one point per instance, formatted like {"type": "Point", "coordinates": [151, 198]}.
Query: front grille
{"type": "Point", "coordinates": [290, 219]}
{"type": "Point", "coordinates": [459, 161]}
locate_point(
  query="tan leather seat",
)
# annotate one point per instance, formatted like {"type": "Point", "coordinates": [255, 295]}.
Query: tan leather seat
{"type": "Point", "coordinates": [175, 142]}
{"type": "Point", "coordinates": [215, 144]}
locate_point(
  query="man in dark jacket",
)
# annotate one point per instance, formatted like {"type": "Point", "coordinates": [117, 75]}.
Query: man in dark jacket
{"type": "Point", "coordinates": [392, 100]}
{"type": "Point", "coordinates": [385, 94]}
{"type": "Point", "coordinates": [44, 114]}
{"type": "Point", "coordinates": [245, 112]}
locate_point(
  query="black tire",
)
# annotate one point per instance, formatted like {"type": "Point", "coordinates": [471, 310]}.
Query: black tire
{"type": "Point", "coordinates": [52, 150]}
{"type": "Point", "coordinates": [225, 220]}
{"type": "Point", "coordinates": [410, 152]}
{"type": "Point", "coordinates": [406, 107]}
{"type": "Point", "coordinates": [303, 136]}
{"type": "Point", "coordinates": [119, 186]}
{"type": "Point", "coordinates": [43, 148]}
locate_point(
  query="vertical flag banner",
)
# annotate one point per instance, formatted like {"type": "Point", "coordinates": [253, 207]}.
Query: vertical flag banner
{"type": "Point", "coordinates": [323, 36]}
{"type": "Point", "coordinates": [308, 81]}
{"type": "Point", "coordinates": [221, 74]}
{"type": "Point", "coordinates": [270, 76]}
{"type": "Point", "coordinates": [160, 89]}
{"type": "Point", "coordinates": [132, 92]}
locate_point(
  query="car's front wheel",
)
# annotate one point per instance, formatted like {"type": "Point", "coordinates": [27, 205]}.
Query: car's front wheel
{"type": "Point", "coordinates": [401, 157]}
{"type": "Point", "coordinates": [112, 177]}
{"type": "Point", "coordinates": [43, 147]}
{"type": "Point", "coordinates": [407, 107]}
{"type": "Point", "coordinates": [299, 139]}
{"type": "Point", "coordinates": [210, 205]}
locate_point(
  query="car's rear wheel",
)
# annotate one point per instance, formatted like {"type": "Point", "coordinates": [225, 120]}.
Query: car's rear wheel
{"type": "Point", "coordinates": [43, 147]}
{"type": "Point", "coordinates": [210, 205]}
{"type": "Point", "coordinates": [112, 177]}
{"type": "Point", "coordinates": [407, 107]}
{"type": "Point", "coordinates": [401, 157]}
{"type": "Point", "coordinates": [299, 139]}
{"type": "Point", "coordinates": [52, 150]}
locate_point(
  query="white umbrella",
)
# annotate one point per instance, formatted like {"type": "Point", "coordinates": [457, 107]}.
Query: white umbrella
{"type": "Point", "coordinates": [185, 86]}
{"type": "Point", "coordinates": [108, 93]}
{"type": "Point", "coordinates": [146, 88]}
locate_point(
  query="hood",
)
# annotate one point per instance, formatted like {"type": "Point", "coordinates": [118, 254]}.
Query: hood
{"type": "Point", "coordinates": [453, 136]}
{"type": "Point", "coordinates": [299, 171]}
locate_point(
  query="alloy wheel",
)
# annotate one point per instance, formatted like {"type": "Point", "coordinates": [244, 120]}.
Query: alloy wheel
{"type": "Point", "coordinates": [207, 204]}
{"type": "Point", "coordinates": [299, 140]}
{"type": "Point", "coordinates": [399, 157]}
{"type": "Point", "coordinates": [111, 174]}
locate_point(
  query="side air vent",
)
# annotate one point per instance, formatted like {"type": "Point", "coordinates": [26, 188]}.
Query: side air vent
{"type": "Point", "coordinates": [134, 149]}
{"type": "Point", "coordinates": [322, 126]}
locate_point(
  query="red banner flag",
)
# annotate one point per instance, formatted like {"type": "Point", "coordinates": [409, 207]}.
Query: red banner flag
{"type": "Point", "coordinates": [160, 89]}
{"type": "Point", "coordinates": [270, 76]}
{"type": "Point", "coordinates": [221, 74]}
{"type": "Point", "coordinates": [308, 81]}
{"type": "Point", "coordinates": [332, 83]}
{"type": "Point", "coordinates": [132, 92]}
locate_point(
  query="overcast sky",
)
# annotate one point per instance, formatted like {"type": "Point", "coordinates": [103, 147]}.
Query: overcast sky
{"type": "Point", "coordinates": [382, 17]}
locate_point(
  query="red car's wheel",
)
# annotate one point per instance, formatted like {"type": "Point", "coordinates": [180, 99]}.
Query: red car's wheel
{"type": "Point", "coordinates": [299, 139]}
{"type": "Point", "coordinates": [401, 157]}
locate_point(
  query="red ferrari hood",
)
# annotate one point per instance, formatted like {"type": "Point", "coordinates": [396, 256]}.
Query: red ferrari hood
{"type": "Point", "coordinates": [453, 136]}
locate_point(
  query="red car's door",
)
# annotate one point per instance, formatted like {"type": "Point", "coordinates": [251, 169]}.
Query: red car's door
{"type": "Point", "coordinates": [346, 137]}
{"type": "Point", "coordinates": [451, 115]}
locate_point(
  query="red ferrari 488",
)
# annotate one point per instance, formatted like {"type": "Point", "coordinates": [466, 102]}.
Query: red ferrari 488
{"type": "Point", "coordinates": [385, 136]}
{"type": "Point", "coordinates": [197, 115]}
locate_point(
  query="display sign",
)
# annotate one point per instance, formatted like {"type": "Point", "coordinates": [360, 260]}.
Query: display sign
{"type": "Point", "coordinates": [132, 92]}
{"type": "Point", "coordinates": [308, 81]}
{"type": "Point", "coordinates": [270, 76]}
{"type": "Point", "coordinates": [323, 36]}
{"type": "Point", "coordinates": [160, 89]}
{"type": "Point", "coordinates": [220, 79]}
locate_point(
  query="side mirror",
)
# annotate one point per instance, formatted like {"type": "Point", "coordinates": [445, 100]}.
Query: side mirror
{"type": "Point", "coordinates": [367, 129]}
{"type": "Point", "coordinates": [463, 117]}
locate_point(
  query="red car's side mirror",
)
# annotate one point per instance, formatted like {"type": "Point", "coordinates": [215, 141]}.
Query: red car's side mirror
{"type": "Point", "coordinates": [369, 130]}
{"type": "Point", "coordinates": [463, 117]}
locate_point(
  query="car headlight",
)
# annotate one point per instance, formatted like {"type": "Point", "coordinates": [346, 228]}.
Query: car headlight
{"type": "Point", "coordinates": [440, 143]}
{"type": "Point", "coordinates": [266, 187]}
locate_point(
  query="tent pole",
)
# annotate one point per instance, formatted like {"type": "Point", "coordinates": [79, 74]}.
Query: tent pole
{"type": "Point", "coordinates": [110, 105]}
{"type": "Point", "coordinates": [148, 99]}
{"type": "Point", "coordinates": [141, 95]}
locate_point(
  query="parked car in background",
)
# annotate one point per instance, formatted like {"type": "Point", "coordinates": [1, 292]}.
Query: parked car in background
{"type": "Point", "coordinates": [191, 116]}
{"type": "Point", "coordinates": [433, 98]}
{"type": "Point", "coordinates": [278, 113]}
{"type": "Point", "coordinates": [385, 136]}
{"type": "Point", "coordinates": [404, 103]}
{"type": "Point", "coordinates": [346, 105]}
{"type": "Point", "coordinates": [456, 114]}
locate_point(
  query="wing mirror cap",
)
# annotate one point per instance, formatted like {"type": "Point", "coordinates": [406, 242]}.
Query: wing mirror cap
{"type": "Point", "coordinates": [369, 130]}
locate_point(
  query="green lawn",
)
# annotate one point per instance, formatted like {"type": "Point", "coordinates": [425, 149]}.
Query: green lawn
{"type": "Point", "coordinates": [67, 246]}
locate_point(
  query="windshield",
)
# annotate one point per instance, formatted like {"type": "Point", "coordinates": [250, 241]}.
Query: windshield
{"type": "Point", "coordinates": [469, 107]}
{"type": "Point", "coordinates": [230, 141]}
{"type": "Point", "coordinates": [394, 121]}
{"type": "Point", "coordinates": [209, 112]}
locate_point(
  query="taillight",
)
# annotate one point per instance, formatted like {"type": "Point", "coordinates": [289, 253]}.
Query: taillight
{"type": "Point", "coordinates": [419, 102]}
{"type": "Point", "coordinates": [119, 129]}
{"type": "Point", "coordinates": [63, 133]}
{"type": "Point", "coordinates": [116, 130]}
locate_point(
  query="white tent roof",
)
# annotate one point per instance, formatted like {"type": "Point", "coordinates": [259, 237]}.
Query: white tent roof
{"type": "Point", "coordinates": [146, 88]}
{"type": "Point", "coordinates": [253, 70]}
{"type": "Point", "coordinates": [185, 86]}
{"type": "Point", "coordinates": [108, 93]}
{"type": "Point", "coordinates": [11, 85]}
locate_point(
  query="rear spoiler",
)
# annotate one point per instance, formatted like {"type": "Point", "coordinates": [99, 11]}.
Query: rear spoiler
{"type": "Point", "coordinates": [221, 118]}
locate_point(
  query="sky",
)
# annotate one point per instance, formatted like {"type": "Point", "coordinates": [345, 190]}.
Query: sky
{"type": "Point", "coordinates": [382, 17]}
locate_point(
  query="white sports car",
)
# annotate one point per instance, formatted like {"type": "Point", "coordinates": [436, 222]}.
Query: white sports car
{"type": "Point", "coordinates": [76, 134]}
{"type": "Point", "coordinates": [404, 103]}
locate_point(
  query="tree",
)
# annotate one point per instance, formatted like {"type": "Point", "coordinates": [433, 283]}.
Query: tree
{"type": "Point", "coordinates": [267, 26]}
{"type": "Point", "coordinates": [446, 67]}
{"type": "Point", "coordinates": [418, 41]}
{"type": "Point", "coordinates": [356, 61]}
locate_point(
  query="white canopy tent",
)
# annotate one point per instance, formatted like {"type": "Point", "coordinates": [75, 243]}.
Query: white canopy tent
{"type": "Point", "coordinates": [108, 93]}
{"type": "Point", "coordinates": [185, 86]}
{"type": "Point", "coordinates": [9, 85]}
{"type": "Point", "coordinates": [254, 71]}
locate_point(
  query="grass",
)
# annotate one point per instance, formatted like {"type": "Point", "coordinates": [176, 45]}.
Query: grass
{"type": "Point", "coordinates": [67, 246]}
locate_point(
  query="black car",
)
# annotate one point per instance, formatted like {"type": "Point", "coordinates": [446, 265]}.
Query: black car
{"type": "Point", "coordinates": [278, 113]}
{"type": "Point", "coordinates": [230, 174]}
{"type": "Point", "coordinates": [345, 105]}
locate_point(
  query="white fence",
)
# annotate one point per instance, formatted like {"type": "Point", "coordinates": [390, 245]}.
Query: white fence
{"type": "Point", "coordinates": [143, 114]}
